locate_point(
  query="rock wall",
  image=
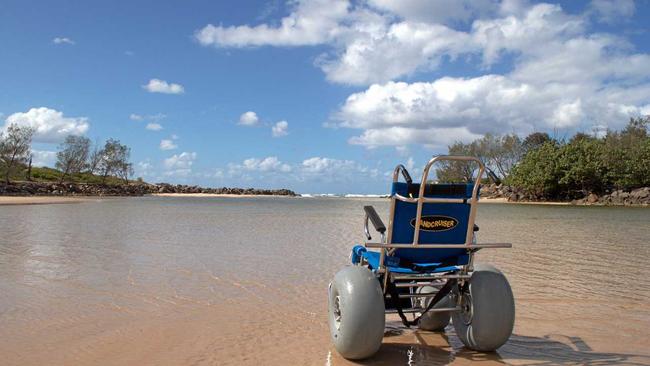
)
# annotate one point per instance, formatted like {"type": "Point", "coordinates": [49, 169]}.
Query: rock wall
{"type": "Point", "coordinates": [133, 189]}
{"type": "Point", "coordinates": [639, 196]}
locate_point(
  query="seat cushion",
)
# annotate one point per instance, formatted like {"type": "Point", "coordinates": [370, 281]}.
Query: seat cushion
{"type": "Point", "coordinates": [373, 262]}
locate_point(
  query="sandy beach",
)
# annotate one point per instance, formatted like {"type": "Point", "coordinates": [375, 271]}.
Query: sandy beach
{"type": "Point", "coordinates": [43, 200]}
{"type": "Point", "coordinates": [505, 200]}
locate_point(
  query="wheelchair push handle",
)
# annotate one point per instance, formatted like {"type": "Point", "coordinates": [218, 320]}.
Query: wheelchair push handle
{"type": "Point", "coordinates": [405, 174]}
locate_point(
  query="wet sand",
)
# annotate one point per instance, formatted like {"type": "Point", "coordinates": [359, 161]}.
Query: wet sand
{"type": "Point", "coordinates": [205, 281]}
{"type": "Point", "coordinates": [42, 200]}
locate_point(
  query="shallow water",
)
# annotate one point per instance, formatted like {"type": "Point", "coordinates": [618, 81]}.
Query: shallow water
{"type": "Point", "coordinates": [244, 280]}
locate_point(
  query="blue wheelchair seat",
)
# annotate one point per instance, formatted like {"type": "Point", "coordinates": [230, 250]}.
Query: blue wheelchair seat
{"type": "Point", "coordinates": [393, 263]}
{"type": "Point", "coordinates": [441, 223]}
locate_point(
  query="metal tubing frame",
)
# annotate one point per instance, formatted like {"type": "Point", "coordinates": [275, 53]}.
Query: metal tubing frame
{"type": "Point", "coordinates": [387, 247]}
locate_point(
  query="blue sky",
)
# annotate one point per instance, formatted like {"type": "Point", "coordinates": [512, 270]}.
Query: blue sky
{"type": "Point", "coordinates": [316, 96]}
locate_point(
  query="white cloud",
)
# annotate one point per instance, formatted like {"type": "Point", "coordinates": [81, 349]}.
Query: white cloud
{"type": "Point", "coordinates": [280, 129]}
{"type": "Point", "coordinates": [328, 169]}
{"type": "Point", "coordinates": [63, 40]}
{"type": "Point", "coordinates": [144, 168]}
{"type": "Point", "coordinates": [374, 46]}
{"type": "Point", "coordinates": [151, 117]}
{"type": "Point", "coordinates": [42, 158]}
{"type": "Point", "coordinates": [180, 165]}
{"type": "Point", "coordinates": [182, 160]}
{"type": "Point", "coordinates": [273, 171]}
{"type": "Point", "coordinates": [152, 126]}
{"type": "Point", "coordinates": [248, 119]}
{"type": "Point", "coordinates": [268, 164]}
{"type": "Point", "coordinates": [50, 125]}
{"type": "Point", "coordinates": [450, 109]}
{"type": "Point", "coordinates": [612, 11]}
{"type": "Point", "coordinates": [310, 23]}
{"type": "Point", "coordinates": [161, 86]}
{"type": "Point", "coordinates": [559, 72]}
{"type": "Point", "coordinates": [167, 145]}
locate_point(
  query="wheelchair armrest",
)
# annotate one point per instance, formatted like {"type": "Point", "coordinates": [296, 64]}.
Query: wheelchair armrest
{"type": "Point", "coordinates": [375, 219]}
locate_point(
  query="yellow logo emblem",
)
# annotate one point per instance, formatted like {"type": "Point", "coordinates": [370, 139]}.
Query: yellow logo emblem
{"type": "Point", "coordinates": [436, 223]}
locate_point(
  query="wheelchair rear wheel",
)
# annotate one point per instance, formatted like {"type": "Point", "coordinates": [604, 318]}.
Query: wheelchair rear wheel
{"type": "Point", "coordinates": [356, 313]}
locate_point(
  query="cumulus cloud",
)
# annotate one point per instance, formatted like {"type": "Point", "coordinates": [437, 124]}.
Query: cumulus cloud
{"type": "Point", "coordinates": [316, 169]}
{"type": "Point", "coordinates": [180, 165]}
{"type": "Point", "coordinates": [248, 119]}
{"type": "Point", "coordinates": [558, 72]}
{"type": "Point", "coordinates": [612, 11]}
{"type": "Point", "coordinates": [41, 158]}
{"type": "Point", "coordinates": [50, 125]}
{"type": "Point", "coordinates": [152, 126]}
{"type": "Point", "coordinates": [280, 129]}
{"type": "Point", "coordinates": [63, 40]}
{"type": "Point", "coordinates": [167, 145]}
{"type": "Point", "coordinates": [161, 86]}
{"type": "Point", "coordinates": [310, 23]}
{"type": "Point", "coordinates": [450, 109]}
{"type": "Point", "coordinates": [438, 11]}
{"type": "Point", "coordinates": [144, 168]}
{"type": "Point", "coordinates": [328, 169]}
{"type": "Point", "coordinates": [268, 164]}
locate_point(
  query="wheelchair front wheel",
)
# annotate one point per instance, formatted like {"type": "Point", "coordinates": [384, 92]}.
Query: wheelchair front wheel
{"type": "Point", "coordinates": [487, 313]}
{"type": "Point", "coordinates": [433, 321]}
{"type": "Point", "coordinates": [356, 313]}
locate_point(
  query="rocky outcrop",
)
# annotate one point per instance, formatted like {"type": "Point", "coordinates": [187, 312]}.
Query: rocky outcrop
{"type": "Point", "coordinates": [512, 194]}
{"type": "Point", "coordinates": [634, 197]}
{"type": "Point", "coordinates": [180, 188]}
{"type": "Point", "coordinates": [132, 189]}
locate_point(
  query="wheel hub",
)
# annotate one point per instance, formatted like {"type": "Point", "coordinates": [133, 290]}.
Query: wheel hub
{"type": "Point", "coordinates": [466, 308]}
{"type": "Point", "coordinates": [337, 312]}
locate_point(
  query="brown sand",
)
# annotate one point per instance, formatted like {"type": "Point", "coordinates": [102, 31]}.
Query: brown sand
{"type": "Point", "coordinates": [42, 200]}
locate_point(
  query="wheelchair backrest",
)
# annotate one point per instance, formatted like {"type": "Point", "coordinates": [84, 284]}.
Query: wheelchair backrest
{"type": "Point", "coordinates": [441, 223]}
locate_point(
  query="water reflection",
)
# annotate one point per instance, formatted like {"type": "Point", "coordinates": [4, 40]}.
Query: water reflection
{"type": "Point", "coordinates": [426, 348]}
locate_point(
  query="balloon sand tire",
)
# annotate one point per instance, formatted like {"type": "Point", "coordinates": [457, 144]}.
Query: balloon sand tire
{"type": "Point", "coordinates": [487, 313]}
{"type": "Point", "coordinates": [432, 321]}
{"type": "Point", "coordinates": [356, 313]}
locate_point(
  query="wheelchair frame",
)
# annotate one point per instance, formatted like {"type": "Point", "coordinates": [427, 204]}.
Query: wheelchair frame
{"type": "Point", "coordinates": [360, 296]}
{"type": "Point", "coordinates": [387, 247]}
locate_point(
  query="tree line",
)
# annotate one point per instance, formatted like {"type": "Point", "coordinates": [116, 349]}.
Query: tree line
{"type": "Point", "coordinates": [75, 155]}
{"type": "Point", "coordinates": [551, 168]}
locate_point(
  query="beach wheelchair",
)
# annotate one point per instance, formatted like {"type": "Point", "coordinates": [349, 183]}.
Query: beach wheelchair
{"type": "Point", "coordinates": [423, 270]}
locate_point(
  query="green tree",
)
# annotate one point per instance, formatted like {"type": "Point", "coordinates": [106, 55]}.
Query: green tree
{"type": "Point", "coordinates": [115, 160]}
{"type": "Point", "coordinates": [581, 166]}
{"type": "Point", "coordinates": [500, 153]}
{"type": "Point", "coordinates": [538, 172]}
{"type": "Point", "coordinates": [535, 140]}
{"type": "Point", "coordinates": [456, 172]}
{"type": "Point", "coordinates": [15, 148]}
{"type": "Point", "coordinates": [73, 156]}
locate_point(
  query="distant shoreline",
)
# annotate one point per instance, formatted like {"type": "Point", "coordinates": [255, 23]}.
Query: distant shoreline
{"type": "Point", "coordinates": [216, 195]}
{"type": "Point", "coordinates": [65, 199]}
